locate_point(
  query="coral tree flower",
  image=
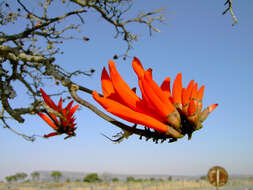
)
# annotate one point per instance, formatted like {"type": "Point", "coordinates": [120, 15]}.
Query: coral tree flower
{"type": "Point", "coordinates": [174, 113]}
{"type": "Point", "coordinates": [62, 123]}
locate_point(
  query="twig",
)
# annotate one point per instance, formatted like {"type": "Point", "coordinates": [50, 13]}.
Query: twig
{"type": "Point", "coordinates": [230, 9]}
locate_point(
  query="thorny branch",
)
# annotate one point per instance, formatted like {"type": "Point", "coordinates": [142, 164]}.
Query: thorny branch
{"type": "Point", "coordinates": [230, 9]}
{"type": "Point", "coordinates": [27, 55]}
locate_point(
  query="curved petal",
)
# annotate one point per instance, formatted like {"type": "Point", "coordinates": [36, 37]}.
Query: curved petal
{"type": "Point", "coordinates": [137, 67]}
{"type": "Point", "coordinates": [206, 112]}
{"type": "Point", "coordinates": [185, 97]}
{"type": "Point", "coordinates": [69, 106]}
{"type": "Point", "coordinates": [200, 93]}
{"type": "Point", "coordinates": [50, 135]}
{"type": "Point", "coordinates": [192, 109]}
{"type": "Point", "coordinates": [189, 88]}
{"type": "Point", "coordinates": [177, 89]}
{"type": "Point", "coordinates": [156, 96]}
{"type": "Point", "coordinates": [122, 88]}
{"type": "Point", "coordinates": [138, 118]}
{"type": "Point", "coordinates": [48, 120]}
{"type": "Point", "coordinates": [165, 86]}
{"type": "Point", "coordinates": [106, 84]}
{"type": "Point", "coordinates": [60, 105]}
{"type": "Point", "coordinates": [194, 91]}
{"type": "Point", "coordinates": [48, 100]}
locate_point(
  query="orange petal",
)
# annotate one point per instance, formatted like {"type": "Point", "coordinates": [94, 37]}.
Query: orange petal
{"type": "Point", "coordinates": [138, 68]}
{"type": "Point", "coordinates": [145, 97]}
{"type": "Point", "coordinates": [106, 84]}
{"type": "Point", "coordinates": [122, 88]}
{"type": "Point", "coordinates": [166, 86]}
{"type": "Point", "coordinates": [194, 91]}
{"type": "Point", "coordinates": [189, 87]}
{"type": "Point", "coordinates": [149, 73]}
{"type": "Point", "coordinates": [192, 108]}
{"type": "Point", "coordinates": [163, 109]}
{"type": "Point", "coordinates": [50, 135]}
{"type": "Point", "coordinates": [177, 89]}
{"type": "Point", "coordinates": [129, 115]}
{"type": "Point", "coordinates": [158, 91]}
{"type": "Point", "coordinates": [72, 111]}
{"type": "Point", "coordinates": [48, 120]}
{"type": "Point", "coordinates": [60, 105]}
{"type": "Point", "coordinates": [107, 87]}
{"type": "Point", "coordinates": [69, 105]}
{"type": "Point", "coordinates": [185, 97]}
{"type": "Point", "coordinates": [200, 93]}
{"type": "Point", "coordinates": [206, 112]}
{"type": "Point", "coordinates": [155, 100]}
{"type": "Point", "coordinates": [54, 118]}
{"type": "Point", "coordinates": [48, 100]}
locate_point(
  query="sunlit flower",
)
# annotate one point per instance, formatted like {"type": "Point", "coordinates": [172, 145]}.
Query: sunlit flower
{"type": "Point", "coordinates": [62, 122]}
{"type": "Point", "coordinates": [174, 113]}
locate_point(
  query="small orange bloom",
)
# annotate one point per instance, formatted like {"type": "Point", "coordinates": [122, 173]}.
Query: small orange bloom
{"type": "Point", "coordinates": [65, 123]}
{"type": "Point", "coordinates": [175, 113]}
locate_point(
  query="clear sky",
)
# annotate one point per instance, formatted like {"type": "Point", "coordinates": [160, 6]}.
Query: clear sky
{"type": "Point", "coordinates": [198, 42]}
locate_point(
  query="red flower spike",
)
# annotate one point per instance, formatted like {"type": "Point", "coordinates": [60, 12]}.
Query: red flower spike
{"type": "Point", "coordinates": [62, 123]}
{"type": "Point", "coordinates": [175, 115]}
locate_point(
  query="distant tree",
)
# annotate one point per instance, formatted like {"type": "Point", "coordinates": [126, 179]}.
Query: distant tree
{"type": "Point", "coordinates": [169, 178]}
{"type": "Point", "coordinates": [35, 176]}
{"type": "Point", "coordinates": [139, 180]}
{"type": "Point", "coordinates": [203, 177]}
{"type": "Point", "coordinates": [92, 178]}
{"type": "Point", "coordinates": [67, 180]}
{"type": "Point", "coordinates": [21, 176]}
{"type": "Point", "coordinates": [152, 179]}
{"type": "Point", "coordinates": [11, 178]}
{"type": "Point", "coordinates": [130, 179]}
{"type": "Point", "coordinates": [115, 179]}
{"type": "Point", "coordinates": [8, 178]}
{"type": "Point", "coordinates": [77, 180]}
{"type": "Point", "coordinates": [56, 175]}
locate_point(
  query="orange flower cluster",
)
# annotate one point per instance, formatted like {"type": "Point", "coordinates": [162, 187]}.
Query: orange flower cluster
{"type": "Point", "coordinates": [65, 123]}
{"type": "Point", "coordinates": [174, 113]}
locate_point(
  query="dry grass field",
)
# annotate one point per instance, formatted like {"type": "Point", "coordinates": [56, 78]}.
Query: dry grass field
{"type": "Point", "coordinates": [174, 185]}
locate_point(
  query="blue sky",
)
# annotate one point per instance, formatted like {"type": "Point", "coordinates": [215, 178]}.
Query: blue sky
{"type": "Point", "coordinates": [198, 42]}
